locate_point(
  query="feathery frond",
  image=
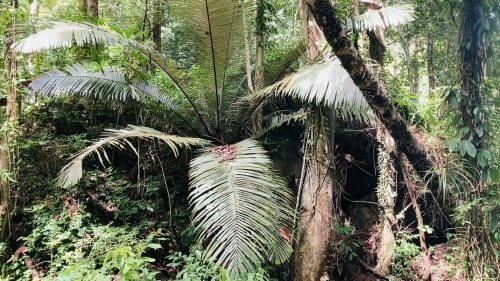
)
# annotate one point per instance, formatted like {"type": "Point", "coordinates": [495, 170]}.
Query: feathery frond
{"type": "Point", "coordinates": [383, 18]}
{"type": "Point", "coordinates": [63, 34]}
{"type": "Point", "coordinates": [276, 70]}
{"type": "Point", "coordinates": [110, 82]}
{"type": "Point", "coordinates": [72, 172]}
{"type": "Point", "coordinates": [327, 83]}
{"type": "Point", "coordinates": [240, 204]}
{"type": "Point", "coordinates": [277, 120]}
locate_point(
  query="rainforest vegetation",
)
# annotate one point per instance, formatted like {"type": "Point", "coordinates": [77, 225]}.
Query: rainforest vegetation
{"type": "Point", "coordinates": [249, 140]}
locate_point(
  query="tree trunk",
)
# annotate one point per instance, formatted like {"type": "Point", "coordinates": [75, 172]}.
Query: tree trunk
{"type": "Point", "coordinates": [430, 50]}
{"type": "Point", "coordinates": [386, 195]}
{"type": "Point", "coordinates": [259, 60]}
{"type": "Point", "coordinates": [248, 66]}
{"type": "Point", "coordinates": [315, 203]}
{"type": "Point", "coordinates": [374, 93]}
{"type": "Point", "coordinates": [10, 130]}
{"type": "Point", "coordinates": [312, 32]}
{"type": "Point", "coordinates": [157, 23]}
{"type": "Point", "coordinates": [471, 69]}
{"type": "Point", "coordinates": [93, 9]}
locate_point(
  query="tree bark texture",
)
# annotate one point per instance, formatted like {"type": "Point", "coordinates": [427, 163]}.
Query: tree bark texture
{"type": "Point", "coordinates": [93, 8]}
{"type": "Point", "coordinates": [386, 195]}
{"type": "Point", "coordinates": [259, 60]}
{"type": "Point", "coordinates": [471, 69]}
{"type": "Point", "coordinates": [157, 23]}
{"type": "Point", "coordinates": [9, 131]}
{"type": "Point", "coordinates": [311, 30]}
{"type": "Point", "coordinates": [373, 91]}
{"type": "Point", "coordinates": [315, 207]}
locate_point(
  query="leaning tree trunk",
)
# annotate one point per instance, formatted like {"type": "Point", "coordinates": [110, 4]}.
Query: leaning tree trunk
{"type": "Point", "coordinates": [373, 91]}
{"type": "Point", "coordinates": [8, 131]}
{"type": "Point", "coordinates": [315, 202]}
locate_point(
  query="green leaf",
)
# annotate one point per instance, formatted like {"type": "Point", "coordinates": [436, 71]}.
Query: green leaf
{"type": "Point", "coordinates": [481, 160]}
{"type": "Point", "coordinates": [154, 246]}
{"type": "Point", "coordinates": [466, 146]}
{"type": "Point", "coordinates": [493, 224]}
{"type": "Point", "coordinates": [452, 145]}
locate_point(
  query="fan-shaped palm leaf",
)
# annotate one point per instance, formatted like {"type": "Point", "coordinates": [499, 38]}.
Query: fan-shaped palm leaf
{"type": "Point", "coordinates": [72, 172]}
{"type": "Point", "coordinates": [383, 18]}
{"type": "Point", "coordinates": [240, 205]}
{"type": "Point", "coordinates": [327, 83]}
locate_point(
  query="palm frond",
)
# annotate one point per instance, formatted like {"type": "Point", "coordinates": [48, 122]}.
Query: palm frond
{"type": "Point", "coordinates": [277, 69]}
{"type": "Point", "coordinates": [383, 18]}
{"type": "Point", "coordinates": [240, 204]}
{"type": "Point", "coordinates": [72, 172]}
{"type": "Point", "coordinates": [110, 82]}
{"type": "Point", "coordinates": [218, 37]}
{"type": "Point", "coordinates": [64, 34]}
{"type": "Point", "coordinates": [279, 119]}
{"type": "Point", "coordinates": [327, 83]}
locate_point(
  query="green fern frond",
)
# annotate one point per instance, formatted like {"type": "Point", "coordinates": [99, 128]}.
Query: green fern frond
{"type": "Point", "coordinates": [72, 172]}
{"type": "Point", "coordinates": [240, 204]}
{"type": "Point", "coordinates": [383, 18]}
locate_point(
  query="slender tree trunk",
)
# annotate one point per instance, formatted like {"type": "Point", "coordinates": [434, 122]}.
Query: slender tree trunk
{"type": "Point", "coordinates": [413, 192]}
{"type": "Point", "coordinates": [157, 23]}
{"type": "Point", "coordinates": [259, 59]}
{"type": "Point", "coordinates": [377, 47]}
{"type": "Point", "coordinates": [430, 50]}
{"type": "Point", "coordinates": [311, 30]}
{"type": "Point", "coordinates": [471, 69]}
{"type": "Point", "coordinates": [248, 65]}
{"type": "Point", "coordinates": [372, 90]}
{"type": "Point", "coordinates": [9, 131]}
{"type": "Point", "coordinates": [405, 44]}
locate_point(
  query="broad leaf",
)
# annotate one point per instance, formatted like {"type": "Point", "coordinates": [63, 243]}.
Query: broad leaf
{"type": "Point", "coordinates": [240, 205]}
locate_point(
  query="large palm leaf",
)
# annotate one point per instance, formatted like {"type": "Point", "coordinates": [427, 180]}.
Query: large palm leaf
{"type": "Point", "coordinates": [327, 83]}
{"type": "Point", "coordinates": [240, 205]}
{"type": "Point", "coordinates": [72, 172]}
{"type": "Point", "coordinates": [109, 82]}
{"type": "Point", "coordinates": [382, 18]}
{"type": "Point", "coordinates": [64, 34]}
